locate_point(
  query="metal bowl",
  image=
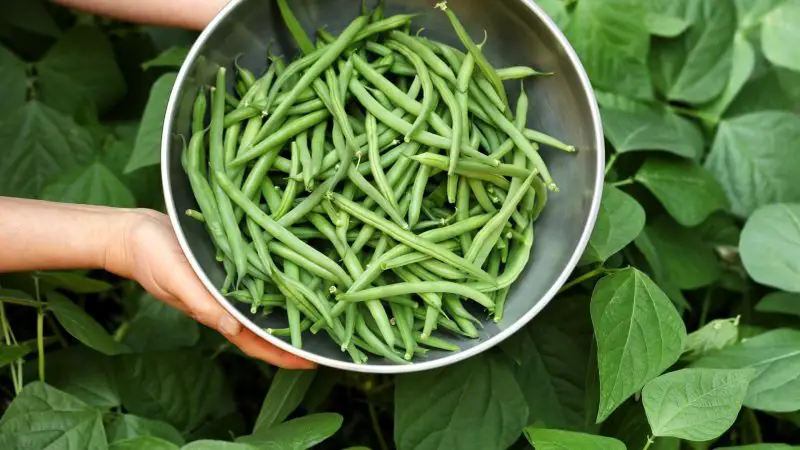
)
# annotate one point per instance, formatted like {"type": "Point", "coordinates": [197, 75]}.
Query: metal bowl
{"type": "Point", "coordinates": [562, 105]}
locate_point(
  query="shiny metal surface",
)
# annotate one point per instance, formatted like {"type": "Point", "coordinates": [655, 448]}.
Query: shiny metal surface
{"type": "Point", "coordinates": [562, 105]}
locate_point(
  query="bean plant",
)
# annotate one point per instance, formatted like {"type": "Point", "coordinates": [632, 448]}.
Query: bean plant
{"type": "Point", "coordinates": [680, 328]}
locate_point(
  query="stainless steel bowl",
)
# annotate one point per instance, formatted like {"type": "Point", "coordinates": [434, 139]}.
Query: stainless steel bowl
{"type": "Point", "coordinates": [562, 105]}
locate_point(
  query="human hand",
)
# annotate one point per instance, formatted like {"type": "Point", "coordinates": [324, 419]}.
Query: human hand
{"type": "Point", "coordinates": [144, 248]}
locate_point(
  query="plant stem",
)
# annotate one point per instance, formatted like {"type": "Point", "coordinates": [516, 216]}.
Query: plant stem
{"type": "Point", "coordinates": [624, 182]}
{"type": "Point", "coordinates": [750, 417]}
{"type": "Point", "coordinates": [706, 306]}
{"type": "Point", "coordinates": [39, 329]}
{"type": "Point", "coordinates": [611, 162]}
{"type": "Point", "coordinates": [54, 328]}
{"type": "Point", "coordinates": [650, 440]}
{"type": "Point", "coordinates": [373, 415]}
{"type": "Point", "coordinates": [14, 367]}
{"type": "Point", "coordinates": [587, 276]}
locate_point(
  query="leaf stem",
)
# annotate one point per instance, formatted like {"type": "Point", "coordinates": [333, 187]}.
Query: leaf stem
{"type": "Point", "coordinates": [376, 426]}
{"type": "Point", "coordinates": [15, 367]}
{"type": "Point", "coordinates": [580, 279]}
{"type": "Point", "coordinates": [611, 162]}
{"type": "Point", "coordinates": [624, 182]}
{"type": "Point", "coordinates": [650, 440]}
{"type": "Point", "coordinates": [39, 329]}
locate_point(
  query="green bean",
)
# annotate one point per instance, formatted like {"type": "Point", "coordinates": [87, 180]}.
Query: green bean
{"type": "Point", "coordinates": [426, 54]}
{"type": "Point", "coordinates": [295, 28]}
{"type": "Point", "coordinates": [292, 186]}
{"type": "Point", "coordinates": [428, 95]}
{"type": "Point", "coordinates": [374, 161]}
{"type": "Point", "coordinates": [196, 215]}
{"type": "Point", "coordinates": [372, 340]}
{"type": "Point", "coordinates": [440, 162]}
{"type": "Point", "coordinates": [199, 111]}
{"type": "Point", "coordinates": [540, 199]}
{"type": "Point", "coordinates": [518, 72]}
{"type": "Point", "coordinates": [304, 325]}
{"type": "Point", "coordinates": [434, 342]}
{"type": "Point", "coordinates": [462, 212]}
{"type": "Point", "coordinates": [271, 300]}
{"type": "Point", "coordinates": [431, 322]}
{"type": "Point", "coordinates": [230, 142]}
{"type": "Point", "coordinates": [304, 154]}
{"type": "Point", "coordinates": [257, 93]}
{"type": "Point", "coordinates": [488, 90]}
{"type": "Point", "coordinates": [414, 257]}
{"type": "Point", "coordinates": [270, 194]}
{"type": "Point", "coordinates": [387, 24]}
{"type": "Point", "coordinates": [544, 139]}
{"type": "Point", "coordinates": [280, 137]}
{"type": "Point", "coordinates": [378, 49]}
{"type": "Point", "coordinates": [453, 304]}
{"type": "Point", "coordinates": [417, 194]}
{"type": "Point", "coordinates": [285, 252]}
{"type": "Point", "coordinates": [405, 327]}
{"type": "Point", "coordinates": [230, 274]}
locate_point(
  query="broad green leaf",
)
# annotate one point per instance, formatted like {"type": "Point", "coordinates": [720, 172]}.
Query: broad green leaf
{"type": "Point", "coordinates": [760, 447]}
{"type": "Point", "coordinates": [217, 445]}
{"type": "Point", "coordinates": [664, 25]}
{"type": "Point", "coordinates": [781, 303]}
{"type": "Point", "coordinates": [301, 433]}
{"type": "Point", "coordinates": [16, 297]}
{"type": "Point", "coordinates": [775, 356]}
{"type": "Point", "coordinates": [321, 388]}
{"type": "Point", "coordinates": [180, 387]}
{"type": "Point", "coordinates": [695, 404]}
{"type": "Point", "coordinates": [683, 257]}
{"type": "Point", "coordinates": [29, 16]}
{"type": "Point", "coordinates": [687, 191]}
{"type": "Point", "coordinates": [556, 10]}
{"type": "Point", "coordinates": [743, 60]}
{"type": "Point", "coordinates": [147, 149]}
{"type": "Point", "coordinates": [629, 425]}
{"type": "Point", "coordinates": [645, 128]}
{"type": "Point", "coordinates": [128, 426]}
{"type": "Point", "coordinates": [80, 68]}
{"type": "Point", "coordinates": [548, 439]}
{"type": "Point", "coordinates": [473, 404]}
{"type": "Point", "coordinates": [694, 67]}
{"type": "Point", "coordinates": [172, 57]}
{"type": "Point", "coordinates": [39, 142]}
{"type": "Point", "coordinates": [14, 88]}
{"type": "Point", "coordinates": [44, 417]}
{"type": "Point", "coordinates": [93, 185]}
{"type": "Point", "coordinates": [639, 335]}
{"type": "Point", "coordinates": [770, 246]}
{"type": "Point", "coordinates": [754, 160]}
{"type": "Point", "coordinates": [284, 396]}
{"type": "Point", "coordinates": [157, 326]}
{"type": "Point", "coordinates": [752, 12]}
{"type": "Point", "coordinates": [772, 89]}
{"type": "Point", "coordinates": [619, 221]}
{"type": "Point", "coordinates": [91, 381]}
{"type": "Point", "coordinates": [713, 336]}
{"type": "Point", "coordinates": [81, 325]}
{"type": "Point", "coordinates": [143, 443]}
{"type": "Point", "coordinates": [11, 353]}
{"type": "Point", "coordinates": [720, 229]}
{"type": "Point", "coordinates": [73, 282]}
{"type": "Point", "coordinates": [779, 31]}
{"type": "Point", "coordinates": [612, 46]}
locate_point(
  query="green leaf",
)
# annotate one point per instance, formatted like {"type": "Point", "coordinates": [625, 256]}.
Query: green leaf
{"type": "Point", "coordinates": [778, 31]}
{"type": "Point", "coordinates": [557, 11]}
{"type": "Point", "coordinates": [13, 90]}
{"type": "Point", "coordinates": [301, 433]}
{"type": "Point", "coordinates": [73, 282]}
{"type": "Point", "coordinates": [93, 185]}
{"type": "Point", "coordinates": [619, 221]}
{"type": "Point", "coordinates": [30, 16]}
{"type": "Point", "coordinates": [639, 335]}
{"type": "Point", "coordinates": [687, 191]}
{"type": "Point", "coordinates": [39, 142]}
{"type": "Point", "coordinates": [44, 417]}
{"type": "Point", "coordinates": [775, 356]}
{"type": "Point", "coordinates": [781, 303]}
{"type": "Point", "coordinates": [612, 46]}
{"type": "Point", "coordinates": [547, 439]}
{"type": "Point", "coordinates": [742, 63]}
{"type": "Point", "coordinates": [91, 381]}
{"type": "Point", "coordinates": [16, 297]}
{"type": "Point", "coordinates": [694, 67]}
{"type": "Point", "coordinates": [473, 404]}
{"type": "Point", "coordinates": [760, 447]}
{"type": "Point", "coordinates": [216, 445]}
{"type": "Point", "coordinates": [629, 425]}
{"type": "Point", "coordinates": [128, 426]}
{"type": "Point", "coordinates": [284, 396]}
{"type": "Point", "coordinates": [695, 404]}
{"type": "Point", "coordinates": [11, 353]}
{"type": "Point", "coordinates": [80, 68]}
{"type": "Point", "coordinates": [713, 336]}
{"type": "Point", "coordinates": [752, 12]}
{"type": "Point", "coordinates": [81, 325]}
{"type": "Point", "coordinates": [642, 128]}
{"type": "Point", "coordinates": [754, 160]}
{"type": "Point", "coordinates": [172, 57]}
{"type": "Point", "coordinates": [664, 25]}
{"type": "Point", "coordinates": [180, 387]}
{"type": "Point", "coordinates": [147, 149]}
{"type": "Point", "coordinates": [770, 246]}
{"type": "Point", "coordinates": [771, 89]}
{"type": "Point", "coordinates": [143, 443]}
{"type": "Point", "coordinates": [685, 259]}
{"type": "Point", "coordinates": [157, 326]}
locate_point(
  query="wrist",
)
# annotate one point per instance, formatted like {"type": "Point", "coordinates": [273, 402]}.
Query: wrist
{"type": "Point", "coordinates": [122, 232]}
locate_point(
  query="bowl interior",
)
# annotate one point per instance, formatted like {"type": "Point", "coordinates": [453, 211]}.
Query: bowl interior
{"type": "Point", "coordinates": [518, 34]}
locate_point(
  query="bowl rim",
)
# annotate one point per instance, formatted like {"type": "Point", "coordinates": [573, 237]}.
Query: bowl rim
{"type": "Point", "coordinates": [453, 358]}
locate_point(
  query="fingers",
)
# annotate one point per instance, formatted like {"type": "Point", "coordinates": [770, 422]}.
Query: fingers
{"type": "Point", "coordinates": [258, 348]}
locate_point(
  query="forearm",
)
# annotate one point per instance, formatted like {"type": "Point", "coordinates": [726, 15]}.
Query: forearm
{"type": "Point", "coordinates": [38, 235]}
{"type": "Point", "coordinates": [192, 14]}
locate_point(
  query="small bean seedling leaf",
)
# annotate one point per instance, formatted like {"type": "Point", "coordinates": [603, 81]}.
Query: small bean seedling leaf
{"type": "Point", "coordinates": [695, 404]}
{"type": "Point", "coordinates": [619, 221]}
{"type": "Point", "coordinates": [778, 30]}
{"type": "Point", "coordinates": [639, 335]}
{"type": "Point", "coordinates": [548, 439]}
{"type": "Point", "coordinates": [770, 246]}
{"type": "Point", "coordinates": [285, 393]}
{"type": "Point", "coordinates": [143, 443]}
{"type": "Point", "coordinates": [303, 432]}
{"type": "Point", "coordinates": [147, 149]}
{"type": "Point", "coordinates": [713, 336]}
{"type": "Point", "coordinates": [81, 325]}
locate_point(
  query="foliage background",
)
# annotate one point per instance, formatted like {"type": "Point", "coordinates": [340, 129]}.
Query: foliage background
{"type": "Point", "coordinates": [699, 230]}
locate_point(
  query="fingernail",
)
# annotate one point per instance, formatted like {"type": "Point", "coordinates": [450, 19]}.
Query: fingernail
{"type": "Point", "coordinates": [229, 326]}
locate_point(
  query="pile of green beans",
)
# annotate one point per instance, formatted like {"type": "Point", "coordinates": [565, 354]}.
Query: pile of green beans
{"type": "Point", "coordinates": [378, 188]}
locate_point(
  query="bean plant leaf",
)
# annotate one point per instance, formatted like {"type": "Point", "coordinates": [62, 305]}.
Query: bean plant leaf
{"type": "Point", "coordinates": [147, 149]}
{"type": "Point", "coordinates": [64, 76]}
{"type": "Point", "coordinates": [476, 404]}
{"type": "Point", "coordinates": [284, 396]}
{"type": "Point", "coordinates": [172, 57]}
{"type": "Point", "coordinates": [157, 326]}
{"type": "Point", "coordinates": [44, 417]}
{"type": "Point", "coordinates": [612, 46]}
{"type": "Point", "coordinates": [39, 142]}
{"type": "Point", "coordinates": [629, 425]}
{"type": "Point", "coordinates": [619, 221]}
{"type": "Point", "coordinates": [713, 336]}
{"type": "Point", "coordinates": [780, 303]}
{"type": "Point", "coordinates": [775, 356]}
{"type": "Point", "coordinates": [687, 191]}
{"type": "Point", "coordinates": [129, 426]}
{"type": "Point", "coordinates": [92, 185]}
{"type": "Point", "coordinates": [695, 404]}
{"type": "Point", "coordinates": [30, 16]}
{"type": "Point", "coordinates": [743, 60]}
{"type": "Point", "coordinates": [665, 25]}
{"type": "Point", "coordinates": [92, 380]}
{"type": "Point", "coordinates": [639, 335]}
{"type": "Point", "coordinates": [549, 439]}
{"type": "Point", "coordinates": [206, 444]}
{"type": "Point", "coordinates": [770, 246]}
{"type": "Point", "coordinates": [81, 325]}
{"type": "Point", "coordinates": [13, 72]}
{"type": "Point", "coordinates": [778, 30]}
{"type": "Point", "coordinates": [647, 128]}
{"type": "Point", "coordinates": [694, 67]}
{"type": "Point", "coordinates": [303, 432]}
{"type": "Point", "coordinates": [752, 12]}
{"type": "Point", "coordinates": [754, 160]}
{"type": "Point", "coordinates": [768, 89]}
{"type": "Point", "coordinates": [11, 353]}
{"type": "Point", "coordinates": [143, 443]}
{"type": "Point", "coordinates": [760, 447]}
{"type": "Point", "coordinates": [73, 282]}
